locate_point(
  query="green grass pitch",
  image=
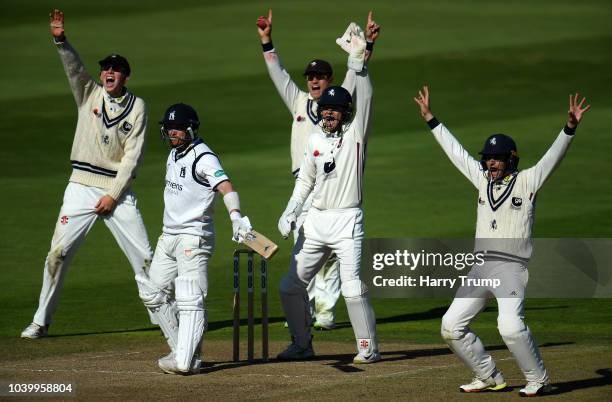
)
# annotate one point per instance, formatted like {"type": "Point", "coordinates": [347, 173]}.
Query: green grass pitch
{"type": "Point", "coordinates": [492, 66]}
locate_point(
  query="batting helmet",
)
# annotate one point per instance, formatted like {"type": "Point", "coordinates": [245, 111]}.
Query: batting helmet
{"type": "Point", "coordinates": [500, 145]}
{"type": "Point", "coordinates": [336, 98]}
{"type": "Point", "coordinates": [180, 116]}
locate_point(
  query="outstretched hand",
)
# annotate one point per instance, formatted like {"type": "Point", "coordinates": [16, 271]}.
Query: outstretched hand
{"type": "Point", "coordinates": [372, 29]}
{"type": "Point", "coordinates": [423, 101]}
{"type": "Point", "coordinates": [576, 111]}
{"type": "Point", "coordinates": [264, 27]}
{"type": "Point", "coordinates": [56, 23]}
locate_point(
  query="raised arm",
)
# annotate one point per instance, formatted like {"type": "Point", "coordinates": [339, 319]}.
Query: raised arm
{"type": "Point", "coordinates": [539, 173]}
{"type": "Point", "coordinates": [354, 43]}
{"type": "Point", "coordinates": [371, 34]}
{"type": "Point", "coordinates": [285, 86]}
{"type": "Point", "coordinates": [462, 160]}
{"type": "Point", "coordinates": [81, 83]}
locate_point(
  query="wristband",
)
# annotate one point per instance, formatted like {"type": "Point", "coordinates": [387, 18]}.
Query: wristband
{"type": "Point", "coordinates": [369, 46]}
{"type": "Point", "coordinates": [232, 202]}
{"type": "Point", "coordinates": [267, 46]}
{"type": "Point", "coordinates": [568, 130]}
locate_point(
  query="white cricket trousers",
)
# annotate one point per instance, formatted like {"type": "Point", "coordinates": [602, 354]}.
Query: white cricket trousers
{"type": "Point", "coordinates": [76, 218]}
{"type": "Point", "coordinates": [181, 255]}
{"type": "Point", "coordinates": [338, 231]}
{"type": "Point", "coordinates": [510, 296]}
{"type": "Point", "coordinates": [324, 289]}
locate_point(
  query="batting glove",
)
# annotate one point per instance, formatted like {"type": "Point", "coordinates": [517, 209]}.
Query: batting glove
{"type": "Point", "coordinates": [241, 228]}
{"type": "Point", "coordinates": [287, 221]}
{"type": "Point", "coordinates": [354, 43]}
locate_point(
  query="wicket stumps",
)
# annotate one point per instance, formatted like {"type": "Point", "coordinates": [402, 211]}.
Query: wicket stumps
{"type": "Point", "coordinates": [250, 307]}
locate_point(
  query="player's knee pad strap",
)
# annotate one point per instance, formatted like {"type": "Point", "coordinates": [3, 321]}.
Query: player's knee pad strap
{"type": "Point", "coordinates": [353, 288]}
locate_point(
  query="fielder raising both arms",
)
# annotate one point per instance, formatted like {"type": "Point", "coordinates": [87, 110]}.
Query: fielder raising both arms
{"type": "Point", "coordinates": [505, 212]}
{"type": "Point", "coordinates": [107, 148]}
{"type": "Point", "coordinates": [332, 169]}
{"type": "Point", "coordinates": [324, 289]}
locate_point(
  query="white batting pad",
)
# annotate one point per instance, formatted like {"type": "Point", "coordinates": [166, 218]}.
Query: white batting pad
{"type": "Point", "coordinates": [190, 304]}
{"type": "Point", "coordinates": [161, 306]}
{"type": "Point", "coordinates": [360, 311]}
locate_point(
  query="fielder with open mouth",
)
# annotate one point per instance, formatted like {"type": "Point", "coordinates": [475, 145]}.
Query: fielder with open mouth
{"type": "Point", "coordinates": [506, 208]}
{"type": "Point", "coordinates": [107, 148]}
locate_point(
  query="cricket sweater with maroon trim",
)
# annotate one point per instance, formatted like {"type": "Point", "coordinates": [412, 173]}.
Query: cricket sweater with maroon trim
{"type": "Point", "coordinates": [110, 134]}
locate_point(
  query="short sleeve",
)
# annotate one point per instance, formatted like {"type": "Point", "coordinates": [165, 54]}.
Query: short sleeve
{"type": "Point", "coordinates": [207, 170]}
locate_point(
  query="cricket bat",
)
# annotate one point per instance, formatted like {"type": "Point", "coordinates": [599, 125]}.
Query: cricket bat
{"type": "Point", "coordinates": [260, 244]}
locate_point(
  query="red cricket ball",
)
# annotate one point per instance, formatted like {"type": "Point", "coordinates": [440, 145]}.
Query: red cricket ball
{"type": "Point", "coordinates": [262, 23]}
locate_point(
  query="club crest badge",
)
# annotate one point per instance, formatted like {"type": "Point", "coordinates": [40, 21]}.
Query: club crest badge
{"type": "Point", "coordinates": [517, 202]}
{"type": "Point", "coordinates": [125, 127]}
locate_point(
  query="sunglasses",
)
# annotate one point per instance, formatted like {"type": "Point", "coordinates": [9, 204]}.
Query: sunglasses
{"type": "Point", "coordinates": [311, 77]}
{"type": "Point", "coordinates": [114, 66]}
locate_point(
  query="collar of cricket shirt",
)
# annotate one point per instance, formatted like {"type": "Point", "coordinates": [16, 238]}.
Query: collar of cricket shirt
{"type": "Point", "coordinates": [118, 100]}
{"type": "Point", "coordinates": [114, 105]}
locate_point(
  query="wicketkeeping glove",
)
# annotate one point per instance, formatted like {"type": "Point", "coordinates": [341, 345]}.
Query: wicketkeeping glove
{"type": "Point", "coordinates": [353, 42]}
{"type": "Point", "coordinates": [287, 221]}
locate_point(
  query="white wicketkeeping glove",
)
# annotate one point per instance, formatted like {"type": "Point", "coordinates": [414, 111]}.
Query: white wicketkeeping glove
{"type": "Point", "coordinates": [354, 43]}
{"type": "Point", "coordinates": [287, 221]}
{"type": "Point", "coordinates": [241, 228]}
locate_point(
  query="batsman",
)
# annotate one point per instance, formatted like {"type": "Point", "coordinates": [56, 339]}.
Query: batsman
{"type": "Point", "coordinates": [176, 286]}
{"type": "Point", "coordinates": [505, 217]}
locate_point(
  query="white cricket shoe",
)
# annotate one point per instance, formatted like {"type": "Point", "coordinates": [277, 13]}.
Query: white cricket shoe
{"type": "Point", "coordinates": [494, 383]}
{"type": "Point", "coordinates": [35, 331]}
{"type": "Point", "coordinates": [534, 388]}
{"type": "Point", "coordinates": [296, 352]}
{"type": "Point", "coordinates": [168, 365]}
{"type": "Point", "coordinates": [367, 358]}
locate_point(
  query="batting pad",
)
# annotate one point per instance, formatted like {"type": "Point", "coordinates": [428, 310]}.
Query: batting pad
{"type": "Point", "coordinates": [190, 304]}
{"type": "Point", "coordinates": [161, 306]}
{"type": "Point", "coordinates": [360, 311]}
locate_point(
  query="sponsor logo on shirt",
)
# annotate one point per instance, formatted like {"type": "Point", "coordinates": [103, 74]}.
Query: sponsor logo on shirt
{"type": "Point", "coordinates": [219, 173]}
{"type": "Point", "coordinates": [182, 174]}
{"type": "Point", "coordinates": [517, 202]}
{"type": "Point", "coordinates": [174, 186]}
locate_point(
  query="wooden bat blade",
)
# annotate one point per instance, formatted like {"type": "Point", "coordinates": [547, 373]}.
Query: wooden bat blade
{"type": "Point", "coordinates": [261, 245]}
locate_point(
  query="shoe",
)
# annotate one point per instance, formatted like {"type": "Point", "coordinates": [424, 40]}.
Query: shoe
{"type": "Point", "coordinates": [494, 383]}
{"type": "Point", "coordinates": [363, 358]}
{"type": "Point", "coordinates": [168, 365]}
{"type": "Point", "coordinates": [323, 326]}
{"type": "Point", "coordinates": [35, 331]}
{"type": "Point", "coordinates": [534, 388]}
{"type": "Point", "coordinates": [296, 352]}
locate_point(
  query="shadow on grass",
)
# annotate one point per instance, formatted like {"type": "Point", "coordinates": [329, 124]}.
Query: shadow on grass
{"type": "Point", "coordinates": [344, 362]}
{"type": "Point", "coordinates": [436, 312]}
{"type": "Point", "coordinates": [604, 380]}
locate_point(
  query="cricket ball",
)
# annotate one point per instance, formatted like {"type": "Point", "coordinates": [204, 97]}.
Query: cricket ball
{"type": "Point", "coordinates": [262, 23]}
